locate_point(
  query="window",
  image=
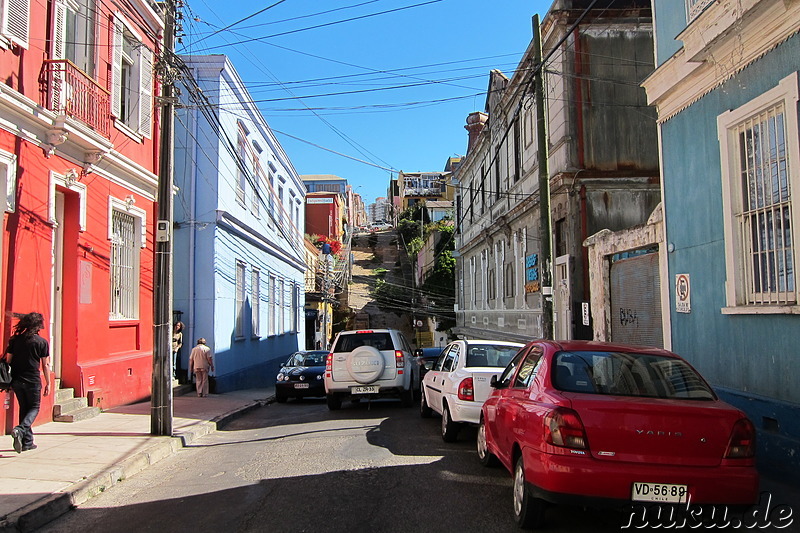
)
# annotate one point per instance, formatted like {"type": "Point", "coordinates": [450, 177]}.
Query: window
{"type": "Point", "coordinates": [517, 152]}
{"type": "Point", "coordinates": [126, 227]}
{"type": "Point", "coordinates": [759, 146]}
{"type": "Point", "coordinates": [15, 21]}
{"type": "Point", "coordinates": [131, 80]}
{"type": "Point", "coordinates": [508, 279]}
{"type": "Point", "coordinates": [241, 164]}
{"type": "Point", "coordinates": [491, 289]}
{"type": "Point", "coordinates": [8, 177]}
{"type": "Point", "coordinates": [281, 304]}
{"type": "Point", "coordinates": [256, 200]}
{"type": "Point", "coordinates": [74, 37]}
{"type": "Point", "coordinates": [255, 302]}
{"type": "Point", "coordinates": [273, 303]}
{"type": "Point", "coordinates": [695, 7]}
{"type": "Point", "coordinates": [239, 310]}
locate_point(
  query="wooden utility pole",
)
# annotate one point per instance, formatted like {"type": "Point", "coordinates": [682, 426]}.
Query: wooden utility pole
{"type": "Point", "coordinates": [161, 398]}
{"type": "Point", "coordinates": [545, 226]}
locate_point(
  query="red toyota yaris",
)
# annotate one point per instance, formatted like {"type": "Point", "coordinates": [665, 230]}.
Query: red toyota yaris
{"type": "Point", "coordinates": [596, 423]}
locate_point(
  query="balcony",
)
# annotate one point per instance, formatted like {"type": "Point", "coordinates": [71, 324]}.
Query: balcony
{"type": "Point", "coordinates": [67, 90]}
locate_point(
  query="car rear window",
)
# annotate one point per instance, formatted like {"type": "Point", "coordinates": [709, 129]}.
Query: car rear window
{"type": "Point", "coordinates": [628, 374]}
{"type": "Point", "coordinates": [379, 341]}
{"type": "Point", "coordinates": [497, 355]}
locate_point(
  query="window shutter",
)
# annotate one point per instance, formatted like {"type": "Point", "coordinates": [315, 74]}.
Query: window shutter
{"type": "Point", "coordinates": [117, 31]}
{"type": "Point", "coordinates": [16, 21]}
{"type": "Point", "coordinates": [146, 92]}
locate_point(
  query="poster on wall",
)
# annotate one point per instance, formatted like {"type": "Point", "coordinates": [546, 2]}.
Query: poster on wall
{"type": "Point", "coordinates": [683, 294]}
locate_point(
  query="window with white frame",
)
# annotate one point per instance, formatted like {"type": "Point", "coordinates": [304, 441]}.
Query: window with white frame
{"type": "Point", "coordinates": [240, 295]}
{"type": "Point", "coordinates": [74, 38]}
{"type": "Point", "coordinates": [760, 169]}
{"type": "Point", "coordinates": [281, 304]}
{"type": "Point", "coordinates": [131, 79]}
{"type": "Point", "coordinates": [255, 206]}
{"type": "Point", "coordinates": [15, 22]}
{"type": "Point", "coordinates": [273, 304]}
{"type": "Point", "coordinates": [8, 177]}
{"type": "Point", "coordinates": [255, 302]}
{"type": "Point", "coordinates": [126, 233]}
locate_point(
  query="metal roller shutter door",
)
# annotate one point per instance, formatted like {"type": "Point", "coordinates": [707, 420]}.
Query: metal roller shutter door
{"type": "Point", "coordinates": [636, 301]}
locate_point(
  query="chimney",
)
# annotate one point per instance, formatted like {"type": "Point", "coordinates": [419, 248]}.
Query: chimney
{"type": "Point", "coordinates": [475, 123]}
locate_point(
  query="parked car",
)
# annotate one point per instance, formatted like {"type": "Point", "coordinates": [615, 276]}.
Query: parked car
{"type": "Point", "coordinates": [370, 364]}
{"type": "Point", "coordinates": [426, 357]}
{"type": "Point", "coordinates": [600, 423]}
{"type": "Point", "coordinates": [301, 376]}
{"type": "Point", "coordinates": [458, 383]}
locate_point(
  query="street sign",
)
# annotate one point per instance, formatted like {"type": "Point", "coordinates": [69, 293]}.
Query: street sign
{"type": "Point", "coordinates": [683, 294]}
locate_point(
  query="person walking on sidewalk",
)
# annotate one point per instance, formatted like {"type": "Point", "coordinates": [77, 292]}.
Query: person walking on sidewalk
{"type": "Point", "coordinates": [29, 356]}
{"type": "Point", "coordinates": [200, 362]}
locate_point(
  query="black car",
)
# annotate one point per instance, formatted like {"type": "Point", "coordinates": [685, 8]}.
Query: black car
{"type": "Point", "coordinates": [425, 358]}
{"type": "Point", "coordinates": [301, 376]}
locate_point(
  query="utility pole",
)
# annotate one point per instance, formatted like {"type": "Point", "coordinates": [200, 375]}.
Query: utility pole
{"type": "Point", "coordinates": [161, 398]}
{"type": "Point", "coordinates": [545, 230]}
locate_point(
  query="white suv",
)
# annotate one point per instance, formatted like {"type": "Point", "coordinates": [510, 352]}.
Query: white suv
{"type": "Point", "coordinates": [369, 363]}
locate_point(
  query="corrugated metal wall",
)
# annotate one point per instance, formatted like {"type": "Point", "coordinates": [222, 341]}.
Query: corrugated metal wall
{"type": "Point", "coordinates": [636, 301]}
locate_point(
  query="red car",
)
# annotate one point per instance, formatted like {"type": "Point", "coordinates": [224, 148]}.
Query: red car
{"type": "Point", "coordinates": [593, 423]}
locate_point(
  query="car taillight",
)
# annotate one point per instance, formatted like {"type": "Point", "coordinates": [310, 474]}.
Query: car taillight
{"type": "Point", "coordinates": [329, 362]}
{"type": "Point", "coordinates": [742, 443]}
{"type": "Point", "coordinates": [466, 390]}
{"type": "Point", "coordinates": [399, 359]}
{"type": "Point", "coordinates": [563, 427]}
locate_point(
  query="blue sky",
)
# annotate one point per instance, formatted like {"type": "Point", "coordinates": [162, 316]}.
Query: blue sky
{"type": "Point", "coordinates": [412, 70]}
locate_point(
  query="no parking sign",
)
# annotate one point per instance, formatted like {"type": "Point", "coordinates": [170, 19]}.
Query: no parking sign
{"type": "Point", "coordinates": [683, 294]}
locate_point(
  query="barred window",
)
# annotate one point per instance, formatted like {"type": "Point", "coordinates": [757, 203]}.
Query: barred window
{"type": "Point", "coordinates": [695, 7]}
{"type": "Point", "coordinates": [124, 267]}
{"type": "Point", "coordinates": [273, 303]}
{"type": "Point", "coordinates": [760, 168]}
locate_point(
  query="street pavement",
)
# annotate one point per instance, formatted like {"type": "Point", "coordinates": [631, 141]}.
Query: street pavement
{"type": "Point", "coordinates": [75, 461]}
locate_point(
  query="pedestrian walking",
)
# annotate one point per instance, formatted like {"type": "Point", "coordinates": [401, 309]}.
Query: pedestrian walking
{"type": "Point", "coordinates": [177, 342]}
{"type": "Point", "coordinates": [29, 357]}
{"type": "Point", "coordinates": [200, 363]}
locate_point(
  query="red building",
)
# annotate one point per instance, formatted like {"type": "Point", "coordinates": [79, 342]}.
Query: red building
{"type": "Point", "coordinates": [325, 214]}
{"type": "Point", "coordinates": [78, 159]}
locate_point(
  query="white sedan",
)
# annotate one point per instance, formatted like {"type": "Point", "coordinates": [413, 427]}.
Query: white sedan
{"type": "Point", "coordinates": [458, 383]}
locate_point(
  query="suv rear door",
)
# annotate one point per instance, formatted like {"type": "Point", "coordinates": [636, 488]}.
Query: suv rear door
{"type": "Point", "coordinates": [347, 364]}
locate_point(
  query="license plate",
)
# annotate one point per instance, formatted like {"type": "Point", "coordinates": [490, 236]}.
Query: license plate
{"type": "Point", "coordinates": [301, 385]}
{"type": "Point", "coordinates": [659, 492]}
{"type": "Point", "coordinates": [365, 389]}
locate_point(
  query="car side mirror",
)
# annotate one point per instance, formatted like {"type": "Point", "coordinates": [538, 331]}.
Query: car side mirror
{"type": "Point", "coordinates": [495, 383]}
{"type": "Point", "coordinates": [283, 365]}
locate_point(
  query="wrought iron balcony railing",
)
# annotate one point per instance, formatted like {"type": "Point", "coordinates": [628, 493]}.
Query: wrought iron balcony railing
{"type": "Point", "coordinates": [66, 89]}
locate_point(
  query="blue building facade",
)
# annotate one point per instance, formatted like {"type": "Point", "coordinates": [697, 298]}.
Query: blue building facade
{"type": "Point", "coordinates": [239, 224]}
{"type": "Point", "coordinates": [726, 90]}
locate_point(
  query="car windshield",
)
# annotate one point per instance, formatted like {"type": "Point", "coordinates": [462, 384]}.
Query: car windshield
{"type": "Point", "coordinates": [379, 341]}
{"type": "Point", "coordinates": [307, 359]}
{"type": "Point", "coordinates": [628, 374]}
{"type": "Point", "coordinates": [496, 355]}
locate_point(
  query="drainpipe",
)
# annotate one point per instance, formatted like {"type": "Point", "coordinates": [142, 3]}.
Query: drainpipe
{"type": "Point", "coordinates": [193, 230]}
{"type": "Point", "coordinates": [584, 249]}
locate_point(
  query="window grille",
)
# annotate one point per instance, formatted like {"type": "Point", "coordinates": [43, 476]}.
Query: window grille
{"type": "Point", "coordinates": [273, 302]}
{"type": "Point", "coordinates": [766, 211]}
{"type": "Point", "coordinates": [124, 267]}
{"type": "Point", "coordinates": [695, 7]}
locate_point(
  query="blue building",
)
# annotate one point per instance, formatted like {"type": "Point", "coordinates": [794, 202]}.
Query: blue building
{"type": "Point", "coordinates": [238, 254]}
{"type": "Point", "coordinates": [726, 91]}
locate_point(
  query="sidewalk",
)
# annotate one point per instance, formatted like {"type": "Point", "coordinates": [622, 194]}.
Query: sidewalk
{"type": "Point", "coordinates": [76, 461]}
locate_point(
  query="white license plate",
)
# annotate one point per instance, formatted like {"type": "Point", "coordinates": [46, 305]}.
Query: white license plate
{"type": "Point", "coordinates": [659, 492]}
{"type": "Point", "coordinates": [301, 385]}
{"type": "Point", "coordinates": [365, 389]}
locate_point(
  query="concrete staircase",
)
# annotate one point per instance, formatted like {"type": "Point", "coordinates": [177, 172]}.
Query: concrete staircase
{"type": "Point", "coordinates": [68, 408]}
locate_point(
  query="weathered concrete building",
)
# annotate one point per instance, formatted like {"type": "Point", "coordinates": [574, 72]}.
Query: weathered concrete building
{"type": "Point", "coordinates": [602, 167]}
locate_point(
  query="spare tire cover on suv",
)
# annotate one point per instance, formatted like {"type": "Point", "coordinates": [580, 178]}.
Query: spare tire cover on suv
{"type": "Point", "coordinates": [365, 364]}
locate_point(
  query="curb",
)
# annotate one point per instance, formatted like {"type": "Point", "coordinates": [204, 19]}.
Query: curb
{"type": "Point", "coordinates": [48, 508]}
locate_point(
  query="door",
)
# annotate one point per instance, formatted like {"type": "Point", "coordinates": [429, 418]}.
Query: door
{"type": "Point", "coordinates": [563, 299]}
{"type": "Point", "coordinates": [636, 299]}
{"type": "Point", "coordinates": [58, 284]}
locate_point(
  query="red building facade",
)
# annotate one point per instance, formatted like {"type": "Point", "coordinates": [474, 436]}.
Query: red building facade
{"type": "Point", "coordinates": [324, 214]}
{"type": "Point", "coordinates": [78, 160]}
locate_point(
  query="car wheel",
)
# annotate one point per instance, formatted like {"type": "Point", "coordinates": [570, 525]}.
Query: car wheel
{"type": "Point", "coordinates": [528, 511]}
{"type": "Point", "coordinates": [424, 409]}
{"type": "Point", "coordinates": [486, 457]}
{"type": "Point", "coordinates": [280, 397]}
{"type": "Point", "coordinates": [407, 397]}
{"type": "Point", "coordinates": [334, 402]}
{"type": "Point", "coordinates": [449, 428]}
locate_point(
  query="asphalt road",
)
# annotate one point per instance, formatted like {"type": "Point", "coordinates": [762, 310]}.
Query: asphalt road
{"type": "Point", "coordinates": [298, 467]}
